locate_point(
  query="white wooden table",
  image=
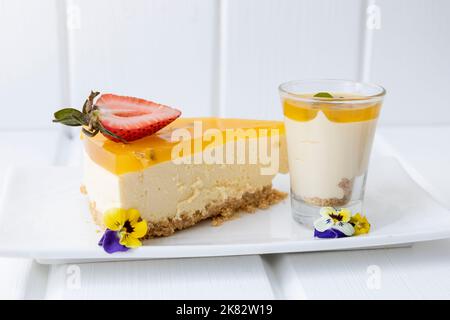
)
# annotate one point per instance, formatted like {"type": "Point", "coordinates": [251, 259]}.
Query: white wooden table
{"type": "Point", "coordinates": [420, 271]}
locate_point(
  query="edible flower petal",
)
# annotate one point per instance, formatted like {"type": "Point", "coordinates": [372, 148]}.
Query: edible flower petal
{"type": "Point", "coordinates": [326, 212]}
{"type": "Point", "coordinates": [338, 215]}
{"type": "Point", "coordinates": [360, 224]}
{"type": "Point", "coordinates": [128, 241]}
{"type": "Point", "coordinates": [140, 229]}
{"type": "Point", "coordinates": [344, 227]}
{"type": "Point", "coordinates": [110, 242]}
{"type": "Point", "coordinates": [114, 219]}
{"type": "Point", "coordinates": [133, 215]}
{"type": "Point", "coordinates": [345, 214]}
{"type": "Point", "coordinates": [329, 234]}
{"type": "Point", "coordinates": [322, 224]}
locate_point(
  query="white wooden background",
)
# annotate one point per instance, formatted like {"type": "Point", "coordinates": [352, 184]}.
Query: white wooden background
{"type": "Point", "coordinates": [219, 57]}
{"type": "Point", "coordinates": [225, 57]}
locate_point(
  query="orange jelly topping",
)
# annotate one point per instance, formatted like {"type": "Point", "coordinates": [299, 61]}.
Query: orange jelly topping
{"type": "Point", "coordinates": [120, 158]}
{"type": "Point", "coordinates": [349, 109]}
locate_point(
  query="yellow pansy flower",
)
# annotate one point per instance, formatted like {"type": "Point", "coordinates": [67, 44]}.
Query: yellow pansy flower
{"type": "Point", "coordinates": [360, 223]}
{"type": "Point", "coordinates": [128, 225]}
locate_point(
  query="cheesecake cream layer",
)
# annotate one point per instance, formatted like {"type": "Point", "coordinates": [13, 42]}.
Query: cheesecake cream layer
{"type": "Point", "coordinates": [167, 190]}
{"type": "Point", "coordinates": [325, 155]}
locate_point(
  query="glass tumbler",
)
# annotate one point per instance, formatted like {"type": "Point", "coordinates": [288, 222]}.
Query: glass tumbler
{"type": "Point", "coordinates": [330, 126]}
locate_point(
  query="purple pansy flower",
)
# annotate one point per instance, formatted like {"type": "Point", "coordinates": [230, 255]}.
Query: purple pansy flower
{"type": "Point", "coordinates": [110, 242]}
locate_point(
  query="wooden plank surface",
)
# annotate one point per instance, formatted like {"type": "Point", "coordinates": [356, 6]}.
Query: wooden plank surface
{"type": "Point", "coordinates": [418, 272]}
{"type": "Point", "coordinates": [201, 278]}
{"type": "Point", "coordinates": [159, 50]}
{"type": "Point", "coordinates": [267, 42]}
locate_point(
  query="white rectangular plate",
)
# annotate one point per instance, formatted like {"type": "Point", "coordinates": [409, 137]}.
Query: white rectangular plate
{"type": "Point", "coordinates": [44, 216]}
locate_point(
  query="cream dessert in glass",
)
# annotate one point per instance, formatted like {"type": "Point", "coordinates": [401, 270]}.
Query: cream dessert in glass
{"type": "Point", "coordinates": [330, 126]}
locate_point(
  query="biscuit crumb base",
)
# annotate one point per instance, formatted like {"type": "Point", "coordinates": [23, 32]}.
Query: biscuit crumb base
{"type": "Point", "coordinates": [219, 213]}
{"type": "Point", "coordinates": [345, 184]}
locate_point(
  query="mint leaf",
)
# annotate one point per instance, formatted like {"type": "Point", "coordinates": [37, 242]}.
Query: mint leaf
{"type": "Point", "coordinates": [323, 95]}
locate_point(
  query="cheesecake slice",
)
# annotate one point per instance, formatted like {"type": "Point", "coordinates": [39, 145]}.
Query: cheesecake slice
{"type": "Point", "coordinates": [191, 170]}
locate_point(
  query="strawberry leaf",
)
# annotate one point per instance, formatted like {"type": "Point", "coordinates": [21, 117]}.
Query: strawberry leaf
{"type": "Point", "coordinates": [70, 117]}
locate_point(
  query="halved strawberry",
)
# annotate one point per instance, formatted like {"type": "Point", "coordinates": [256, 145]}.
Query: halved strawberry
{"type": "Point", "coordinates": [133, 118]}
{"type": "Point", "coordinates": [118, 118]}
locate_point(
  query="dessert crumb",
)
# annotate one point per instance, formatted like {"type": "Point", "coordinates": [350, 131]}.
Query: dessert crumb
{"type": "Point", "coordinates": [345, 184]}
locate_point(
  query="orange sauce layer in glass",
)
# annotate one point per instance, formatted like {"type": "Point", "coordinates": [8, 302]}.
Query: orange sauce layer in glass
{"type": "Point", "coordinates": [354, 109]}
